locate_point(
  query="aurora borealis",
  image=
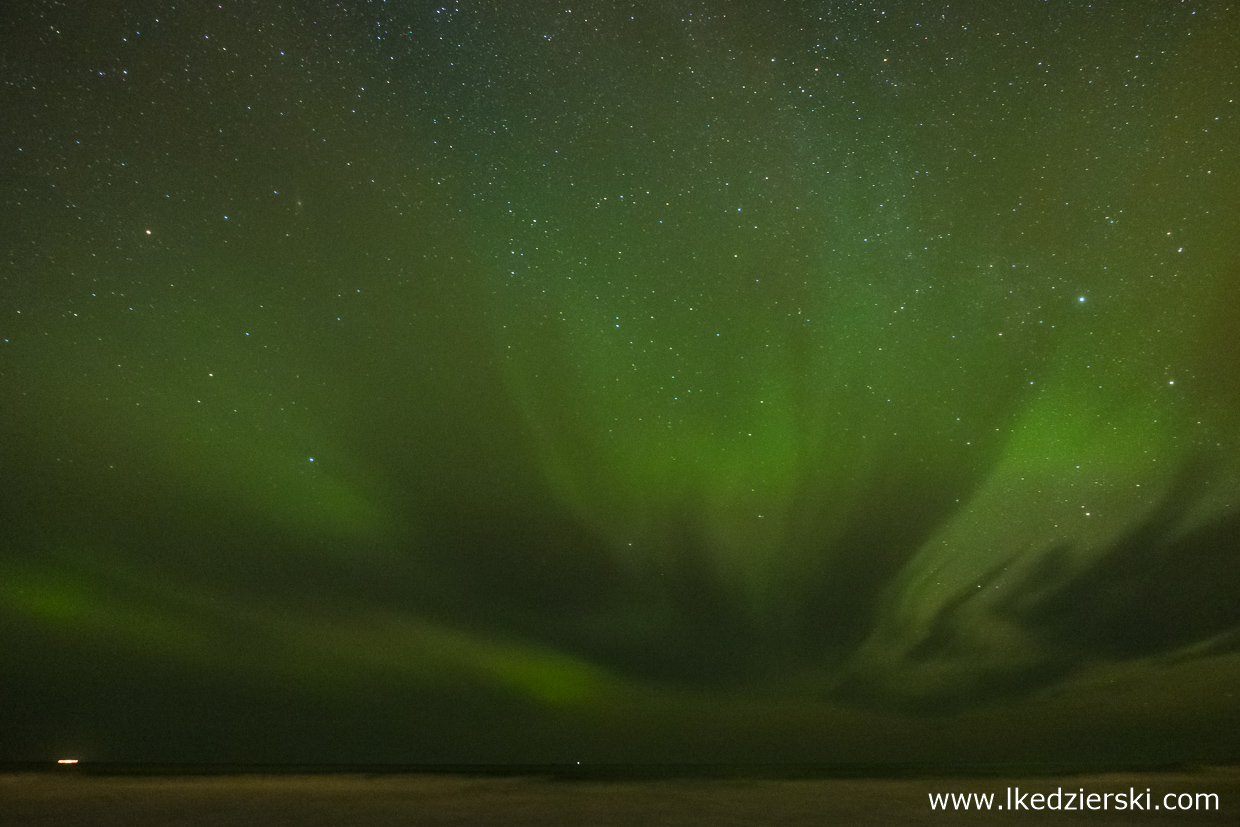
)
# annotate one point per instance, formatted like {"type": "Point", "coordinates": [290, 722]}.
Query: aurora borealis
{"type": "Point", "coordinates": [679, 381]}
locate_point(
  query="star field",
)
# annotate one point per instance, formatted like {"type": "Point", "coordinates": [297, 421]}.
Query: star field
{"type": "Point", "coordinates": [579, 373]}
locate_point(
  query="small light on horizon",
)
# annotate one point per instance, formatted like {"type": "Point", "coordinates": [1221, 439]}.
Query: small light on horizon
{"type": "Point", "coordinates": [66, 761]}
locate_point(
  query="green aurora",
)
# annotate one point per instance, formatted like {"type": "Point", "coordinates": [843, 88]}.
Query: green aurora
{"type": "Point", "coordinates": [636, 382]}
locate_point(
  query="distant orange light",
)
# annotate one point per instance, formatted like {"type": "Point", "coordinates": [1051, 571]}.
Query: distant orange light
{"type": "Point", "coordinates": [67, 761]}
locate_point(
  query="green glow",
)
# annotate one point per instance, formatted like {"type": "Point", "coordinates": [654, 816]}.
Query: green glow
{"type": "Point", "coordinates": [69, 602]}
{"type": "Point", "coordinates": [545, 364]}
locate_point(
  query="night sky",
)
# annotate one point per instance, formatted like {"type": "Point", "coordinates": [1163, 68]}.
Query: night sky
{"type": "Point", "coordinates": [620, 381]}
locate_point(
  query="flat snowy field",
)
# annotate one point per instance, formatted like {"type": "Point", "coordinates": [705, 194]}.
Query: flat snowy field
{"type": "Point", "coordinates": [308, 800]}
